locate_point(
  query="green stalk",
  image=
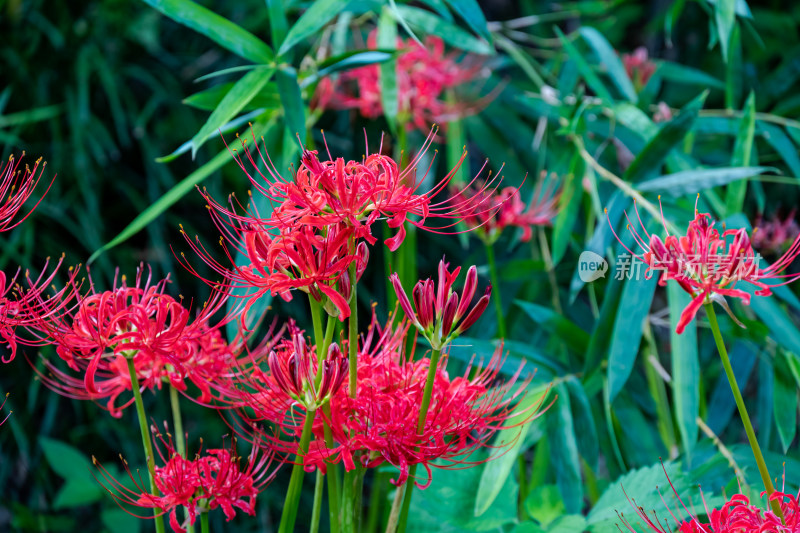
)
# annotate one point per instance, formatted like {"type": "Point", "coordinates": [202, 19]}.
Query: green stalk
{"type": "Point", "coordinates": [737, 395]}
{"type": "Point", "coordinates": [523, 486]}
{"type": "Point", "coordinates": [148, 444]}
{"type": "Point", "coordinates": [352, 334]}
{"type": "Point", "coordinates": [315, 512]}
{"type": "Point", "coordinates": [180, 439]}
{"type": "Point", "coordinates": [292, 501]}
{"type": "Point", "coordinates": [498, 304]}
{"type": "Point", "coordinates": [375, 500]}
{"type": "Point", "coordinates": [333, 469]}
{"type": "Point", "coordinates": [399, 523]}
{"type": "Point", "coordinates": [204, 523]}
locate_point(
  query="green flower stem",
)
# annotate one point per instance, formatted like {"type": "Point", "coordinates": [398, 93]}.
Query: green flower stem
{"type": "Point", "coordinates": [498, 303]}
{"type": "Point", "coordinates": [737, 395]}
{"type": "Point", "coordinates": [316, 510]}
{"type": "Point", "coordinates": [399, 523]}
{"type": "Point", "coordinates": [146, 441]}
{"type": "Point", "coordinates": [204, 523]}
{"type": "Point", "coordinates": [352, 334]}
{"type": "Point", "coordinates": [333, 469]}
{"type": "Point", "coordinates": [523, 486]}
{"type": "Point", "coordinates": [180, 438]}
{"type": "Point", "coordinates": [292, 501]}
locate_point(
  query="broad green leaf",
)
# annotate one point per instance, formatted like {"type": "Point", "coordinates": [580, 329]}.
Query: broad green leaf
{"type": "Point", "coordinates": [678, 73]}
{"type": "Point", "coordinates": [507, 445]}
{"type": "Point", "coordinates": [66, 460]}
{"type": "Point", "coordinates": [77, 492]}
{"type": "Point", "coordinates": [314, 19]}
{"type": "Point", "coordinates": [387, 38]}
{"type": "Point", "coordinates": [234, 101]}
{"type": "Point", "coordinates": [588, 444]}
{"type": "Point", "coordinates": [36, 114]}
{"type": "Point", "coordinates": [649, 160]}
{"type": "Point", "coordinates": [471, 12]}
{"type": "Point", "coordinates": [775, 136]}
{"type": "Point", "coordinates": [569, 202]}
{"type": "Point", "coordinates": [637, 295]}
{"type": "Point", "coordinates": [219, 29]}
{"type": "Point", "coordinates": [227, 128]}
{"type": "Point", "coordinates": [725, 17]}
{"type": "Point", "coordinates": [294, 110]}
{"type": "Point", "coordinates": [564, 449]}
{"type": "Point", "coordinates": [584, 68]}
{"type": "Point", "coordinates": [785, 402]}
{"type": "Point", "coordinates": [610, 60]}
{"type": "Point", "coordinates": [694, 181]}
{"type": "Point", "coordinates": [685, 368]}
{"type": "Point", "coordinates": [742, 150]}
{"type": "Point", "coordinates": [544, 504]}
{"type": "Point", "coordinates": [173, 195]}
{"type": "Point", "coordinates": [225, 72]}
{"type": "Point", "coordinates": [278, 25]}
{"type": "Point", "coordinates": [449, 32]}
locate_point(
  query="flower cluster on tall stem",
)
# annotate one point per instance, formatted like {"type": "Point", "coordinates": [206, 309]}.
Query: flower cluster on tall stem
{"type": "Point", "coordinates": [424, 74]}
{"type": "Point", "coordinates": [16, 187]}
{"type": "Point", "coordinates": [213, 478]}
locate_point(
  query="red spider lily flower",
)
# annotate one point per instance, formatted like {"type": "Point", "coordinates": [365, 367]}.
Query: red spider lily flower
{"type": "Point", "coordinates": [491, 213]}
{"type": "Point", "coordinates": [708, 264]}
{"type": "Point", "coordinates": [374, 427]}
{"type": "Point", "coordinates": [439, 312]}
{"type": "Point", "coordinates": [23, 304]}
{"type": "Point", "coordinates": [774, 236]}
{"type": "Point", "coordinates": [663, 113]}
{"type": "Point", "coordinates": [737, 515]}
{"type": "Point", "coordinates": [639, 67]}
{"type": "Point", "coordinates": [212, 479]}
{"type": "Point", "coordinates": [423, 76]}
{"type": "Point", "coordinates": [103, 330]}
{"type": "Point", "coordinates": [16, 186]}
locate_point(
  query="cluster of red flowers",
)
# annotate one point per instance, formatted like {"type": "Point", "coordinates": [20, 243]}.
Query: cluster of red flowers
{"type": "Point", "coordinates": [490, 212]}
{"type": "Point", "coordinates": [214, 478]}
{"type": "Point", "coordinates": [639, 67]}
{"type": "Point", "coordinates": [424, 74]}
{"type": "Point", "coordinates": [708, 264]}
{"type": "Point", "coordinates": [773, 236]}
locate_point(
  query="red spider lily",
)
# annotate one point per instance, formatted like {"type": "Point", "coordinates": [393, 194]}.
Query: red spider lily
{"type": "Point", "coordinates": [103, 330]}
{"type": "Point", "coordinates": [737, 515]}
{"type": "Point", "coordinates": [375, 427]}
{"type": "Point", "coordinates": [439, 313]}
{"type": "Point", "coordinates": [16, 186]}
{"type": "Point", "coordinates": [708, 265]}
{"type": "Point", "coordinates": [775, 235]}
{"type": "Point", "coordinates": [214, 478]}
{"type": "Point", "coordinates": [639, 67]}
{"type": "Point", "coordinates": [423, 75]}
{"type": "Point", "coordinates": [1, 407]}
{"type": "Point", "coordinates": [24, 305]}
{"type": "Point", "coordinates": [491, 213]}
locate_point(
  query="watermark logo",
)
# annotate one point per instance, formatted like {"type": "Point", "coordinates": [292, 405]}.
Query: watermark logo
{"type": "Point", "coordinates": [591, 266]}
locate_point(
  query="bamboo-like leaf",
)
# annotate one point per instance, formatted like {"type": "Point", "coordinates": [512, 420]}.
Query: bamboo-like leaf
{"type": "Point", "coordinates": [449, 32]}
{"type": "Point", "coordinates": [471, 12]}
{"type": "Point", "coordinates": [217, 28]}
{"type": "Point", "coordinates": [387, 38]}
{"type": "Point", "coordinates": [742, 151]}
{"type": "Point", "coordinates": [685, 368]}
{"type": "Point", "coordinates": [584, 68]}
{"type": "Point", "coordinates": [294, 110]}
{"type": "Point", "coordinates": [314, 19]}
{"type": "Point", "coordinates": [610, 60]}
{"type": "Point", "coordinates": [564, 448]}
{"type": "Point", "coordinates": [725, 17]}
{"type": "Point", "coordinates": [242, 92]}
{"type": "Point", "coordinates": [693, 181]}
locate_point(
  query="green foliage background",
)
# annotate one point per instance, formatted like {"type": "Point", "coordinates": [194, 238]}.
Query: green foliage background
{"type": "Point", "coordinates": [108, 93]}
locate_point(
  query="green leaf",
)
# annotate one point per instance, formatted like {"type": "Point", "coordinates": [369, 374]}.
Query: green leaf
{"type": "Point", "coordinates": [77, 492]}
{"type": "Point", "coordinates": [637, 295]}
{"type": "Point", "coordinates": [785, 402]}
{"type": "Point", "coordinates": [563, 328]}
{"type": "Point", "coordinates": [119, 521]}
{"type": "Point", "coordinates": [685, 368]}
{"type": "Point", "coordinates": [569, 203]}
{"type": "Point", "coordinates": [584, 68]}
{"type": "Point", "coordinates": [36, 114]}
{"type": "Point", "coordinates": [173, 195]}
{"type": "Point", "coordinates": [209, 99]}
{"type": "Point", "coordinates": [242, 92]}
{"type": "Point", "coordinates": [219, 29]}
{"type": "Point", "coordinates": [678, 73]}
{"type": "Point", "coordinates": [564, 449]}
{"type": "Point", "coordinates": [507, 445]}
{"type": "Point", "coordinates": [471, 12]}
{"type": "Point", "coordinates": [66, 460]}
{"type": "Point", "coordinates": [656, 150]}
{"type": "Point", "coordinates": [387, 38]}
{"type": "Point", "coordinates": [588, 444]}
{"type": "Point", "coordinates": [782, 144]}
{"type": "Point", "coordinates": [742, 150]}
{"type": "Point", "coordinates": [278, 25]}
{"type": "Point", "coordinates": [694, 181]}
{"type": "Point", "coordinates": [544, 504]}
{"type": "Point", "coordinates": [292, 100]}
{"type": "Point", "coordinates": [314, 19]}
{"type": "Point", "coordinates": [449, 32]}
{"type": "Point", "coordinates": [725, 17]}
{"type": "Point", "coordinates": [610, 60]}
